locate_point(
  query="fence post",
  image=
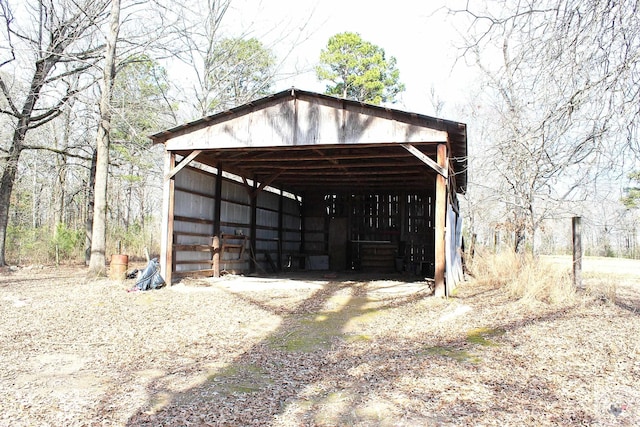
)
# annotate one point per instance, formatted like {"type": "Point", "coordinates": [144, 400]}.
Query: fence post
{"type": "Point", "coordinates": [577, 251]}
{"type": "Point", "coordinates": [215, 245]}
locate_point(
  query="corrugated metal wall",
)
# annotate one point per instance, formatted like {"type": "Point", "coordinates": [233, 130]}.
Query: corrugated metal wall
{"type": "Point", "coordinates": [277, 231]}
{"type": "Point", "coordinates": [193, 218]}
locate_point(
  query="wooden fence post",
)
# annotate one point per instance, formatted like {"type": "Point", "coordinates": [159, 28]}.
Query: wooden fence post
{"type": "Point", "coordinates": [216, 256]}
{"type": "Point", "coordinates": [577, 251]}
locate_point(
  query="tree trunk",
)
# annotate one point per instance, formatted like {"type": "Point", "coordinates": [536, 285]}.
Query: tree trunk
{"type": "Point", "coordinates": [90, 206]}
{"type": "Point", "coordinates": [6, 188]}
{"type": "Point", "coordinates": [97, 261]}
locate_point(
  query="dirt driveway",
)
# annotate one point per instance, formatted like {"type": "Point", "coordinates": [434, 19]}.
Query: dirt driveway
{"type": "Point", "coordinates": [309, 350]}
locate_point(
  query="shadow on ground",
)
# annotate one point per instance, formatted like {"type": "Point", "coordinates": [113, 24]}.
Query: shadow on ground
{"type": "Point", "coordinates": [317, 368]}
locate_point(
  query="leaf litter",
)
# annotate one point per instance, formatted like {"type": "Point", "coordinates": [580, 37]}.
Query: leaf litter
{"type": "Point", "coordinates": [306, 350]}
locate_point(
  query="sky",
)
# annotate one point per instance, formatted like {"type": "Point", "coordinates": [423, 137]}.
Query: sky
{"type": "Point", "coordinates": [419, 34]}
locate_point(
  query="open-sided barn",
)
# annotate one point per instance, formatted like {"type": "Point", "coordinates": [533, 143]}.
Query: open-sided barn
{"type": "Point", "coordinates": [308, 181]}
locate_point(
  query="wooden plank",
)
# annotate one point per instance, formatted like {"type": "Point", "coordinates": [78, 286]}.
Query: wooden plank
{"type": "Point", "coordinates": [217, 212]}
{"type": "Point", "coordinates": [166, 246]}
{"type": "Point", "coordinates": [265, 183]}
{"type": "Point", "coordinates": [175, 169]}
{"type": "Point", "coordinates": [441, 214]}
{"type": "Point", "coordinates": [436, 166]}
{"type": "Point", "coordinates": [281, 231]}
{"type": "Point", "coordinates": [192, 248]}
{"type": "Point", "coordinates": [193, 220]}
{"type": "Point", "coordinates": [337, 154]}
{"type": "Point", "coordinates": [194, 273]}
{"type": "Point", "coordinates": [188, 233]}
{"type": "Point", "coordinates": [194, 261]}
{"type": "Point", "coordinates": [253, 228]}
{"type": "Point", "coordinates": [216, 256]}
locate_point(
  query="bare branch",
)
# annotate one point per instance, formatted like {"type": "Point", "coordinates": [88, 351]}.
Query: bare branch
{"type": "Point", "coordinates": [7, 16]}
{"type": "Point", "coordinates": [63, 152]}
{"type": "Point", "coordinates": [7, 95]}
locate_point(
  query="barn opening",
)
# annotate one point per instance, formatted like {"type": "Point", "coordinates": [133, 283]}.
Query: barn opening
{"type": "Point", "coordinates": [300, 180]}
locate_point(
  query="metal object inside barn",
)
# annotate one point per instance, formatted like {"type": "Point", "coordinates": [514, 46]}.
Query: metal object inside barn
{"type": "Point", "coordinates": [303, 181]}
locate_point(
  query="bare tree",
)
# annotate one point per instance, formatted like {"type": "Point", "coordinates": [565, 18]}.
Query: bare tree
{"type": "Point", "coordinates": [60, 36]}
{"type": "Point", "coordinates": [221, 60]}
{"type": "Point", "coordinates": [97, 261]}
{"type": "Point", "coordinates": [561, 88]}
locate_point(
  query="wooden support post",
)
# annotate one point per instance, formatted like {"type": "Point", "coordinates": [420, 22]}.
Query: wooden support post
{"type": "Point", "coordinates": [216, 256]}
{"type": "Point", "coordinates": [441, 214]}
{"type": "Point", "coordinates": [280, 229]}
{"type": "Point", "coordinates": [217, 211]}
{"type": "Point", "coordinates": [253, 263]}
{"type": "Point", "coordinates": [577, 251]}
{"type": "Point", "coordinates": [166, 245]}
{"type": "Point", "coordinates": [303, 229]}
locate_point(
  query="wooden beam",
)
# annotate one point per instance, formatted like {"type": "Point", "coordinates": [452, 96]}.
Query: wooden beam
{"type": "Point", "coordinates": [216, 256]}
{"type": "Point", "coordinates": [436, 166]}
{"type": "Point", "coordinates": [166, 246]}
{"type": "Point", "coordinates": [174, 170]}
{"type": "Point", "coordinates": [268, 181]}
{"type": "Point", "coordinates": [217, 210]}
{"type": "Point", "coordinates": [441, 214]}
{"type": "Point", "coordinates": [297, 158]}
{"type": "Point", "coordinates": [359, 164]}
{"type": "Point", "coordinates": [280, 229]}
{"type": "Point", "coordinates": [253, 263]}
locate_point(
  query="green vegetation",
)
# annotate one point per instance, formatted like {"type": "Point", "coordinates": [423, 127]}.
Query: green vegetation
{"type": "Point", "coordinates": [452, 353]}
{"type": "Point", "coordinates": [480, 336]}
{"type": "Point", "coordinates": [631, 199]}
{"type": "Point", "coordinates": [317, 331]}
{"type": "Point", "coordinates": [358, 70]}
{"type": "Point", "coordinates": [242, 378]}
{"type": "Point", "coordinates": [37, 245]}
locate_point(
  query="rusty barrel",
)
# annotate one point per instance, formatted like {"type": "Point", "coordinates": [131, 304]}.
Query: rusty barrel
{"type": "Point", "coordinates": [118, 267]}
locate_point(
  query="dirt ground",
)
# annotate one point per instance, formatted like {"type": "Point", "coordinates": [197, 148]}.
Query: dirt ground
{"type": "Point", "coordinates": [306, 350]}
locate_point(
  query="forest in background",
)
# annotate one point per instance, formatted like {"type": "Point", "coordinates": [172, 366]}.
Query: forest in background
{"type": "Point", "coordinates": [552, 118]}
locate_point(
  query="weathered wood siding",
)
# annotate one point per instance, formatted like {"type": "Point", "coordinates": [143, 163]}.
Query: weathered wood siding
{"type": "Point", "coordinates": [306, 121]}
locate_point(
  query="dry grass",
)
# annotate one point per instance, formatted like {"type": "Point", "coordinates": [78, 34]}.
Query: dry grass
{"type": "Point", "coordinates": [311, 351]}
{"type": "Point", "coordinates": [524, 277]}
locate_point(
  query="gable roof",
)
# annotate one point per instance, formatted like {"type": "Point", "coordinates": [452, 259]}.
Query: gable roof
{"type": "Point", "coordinates": [332, 143]}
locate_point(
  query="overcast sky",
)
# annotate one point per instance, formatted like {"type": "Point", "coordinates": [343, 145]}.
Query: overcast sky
{"type": "Point", "coordinates": [418, 33]}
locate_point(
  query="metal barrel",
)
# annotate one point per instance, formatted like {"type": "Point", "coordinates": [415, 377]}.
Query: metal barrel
{"type": "Point", "coordinates": [118, 267]}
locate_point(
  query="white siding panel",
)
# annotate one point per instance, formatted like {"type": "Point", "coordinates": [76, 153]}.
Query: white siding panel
{"type": "Point", "coordinates": [193, 205]}
{"type": "Point", "coordinates": [190, 227]}
{"type": "Point", "coordinates": [231, 212]}
{"type": "Point", "coordinates": [196, 181]}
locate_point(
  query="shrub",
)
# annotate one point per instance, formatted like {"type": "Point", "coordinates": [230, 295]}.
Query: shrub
{"type": "Point", "coordinates": [26, 245]}
{"type": "Point", "coordinates": [67, 244]}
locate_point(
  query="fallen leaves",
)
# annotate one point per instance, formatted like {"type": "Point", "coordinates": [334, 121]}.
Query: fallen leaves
{"type": "Point", "coordinates": [306, 351]}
